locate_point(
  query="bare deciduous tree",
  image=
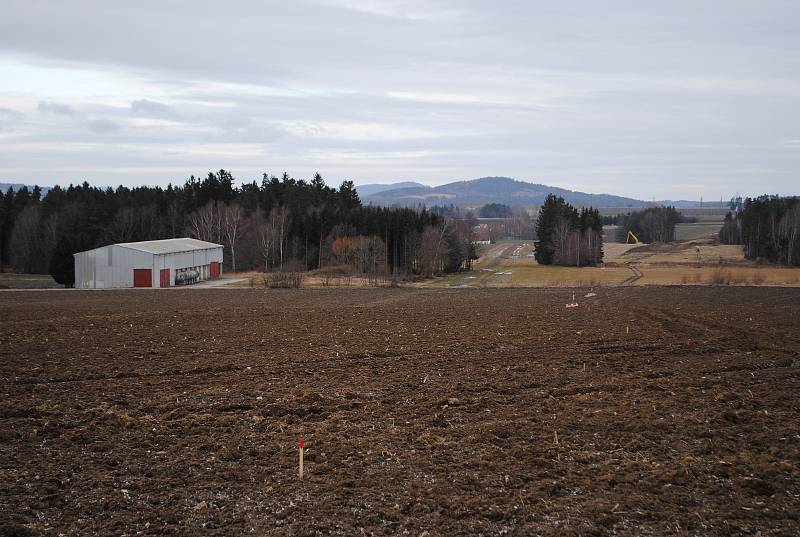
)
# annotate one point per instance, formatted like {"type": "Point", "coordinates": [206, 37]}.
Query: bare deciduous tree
{"type": "Point", "coordinates": [271, 231]}
{"type": "Point", "coordinates": [789, 229]}
{"type": "Point", "coordinates": [433, 249]}
{"type": "Point", "coordinates": [267, 238]}
{"type": "Point", "coordinates": [205, 224]}
{"type": "Point", "coordinates": [231, 219]}
{"type": "Point", "coordinates": [123, 227]}
{"type": "Point", "coordinates": [281, 223]}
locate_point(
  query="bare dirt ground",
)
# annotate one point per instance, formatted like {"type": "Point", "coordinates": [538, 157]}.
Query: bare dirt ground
{"type": "Point", "coordinates": [10, 280]}
{"type": "Point", "coordinates": [451, 412]}
{"type": "Point", "coordinates": [701, 261]}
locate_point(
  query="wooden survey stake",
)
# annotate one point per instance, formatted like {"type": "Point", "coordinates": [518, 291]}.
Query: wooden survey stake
{"type": "Point", "coordinates": [302, 445]}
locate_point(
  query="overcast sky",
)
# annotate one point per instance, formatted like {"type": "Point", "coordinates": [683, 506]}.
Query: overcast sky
{"type": "Point", "coordinates": [651, 99]}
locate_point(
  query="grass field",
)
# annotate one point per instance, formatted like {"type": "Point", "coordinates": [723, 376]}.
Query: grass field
{"type": "Point", "coordinates": [702, 229]}
{"type": "Point", "coordinates": [699, 230]}
{"type": "Point", "coordinates": [690, 262]}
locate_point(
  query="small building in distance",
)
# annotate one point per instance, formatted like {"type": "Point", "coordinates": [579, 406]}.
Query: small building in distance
{"type": "Point", "coordinates": [161, 263]}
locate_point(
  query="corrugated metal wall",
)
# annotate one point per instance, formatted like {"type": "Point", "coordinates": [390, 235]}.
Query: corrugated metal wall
{"type": "Point", "coordinates": [84, 269]}
{"type": "Point", "coordinates": [112, 266]}
{"type": "Point", "coordinates": [109, 266]}
{"type": "Point", "coordinates": [181, 260]}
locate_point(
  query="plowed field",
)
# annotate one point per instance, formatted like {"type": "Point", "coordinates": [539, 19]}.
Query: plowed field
{"type": "Point", "coordinates": [451, 412]}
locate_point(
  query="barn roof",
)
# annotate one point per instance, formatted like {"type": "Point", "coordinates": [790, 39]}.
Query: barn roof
{"type": "Point", "coordinates": [164, 246]}
{"type": "Point", "coordinates": [169, 246]}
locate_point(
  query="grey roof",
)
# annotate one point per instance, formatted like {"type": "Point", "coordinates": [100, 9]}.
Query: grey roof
{"type": "Point", "coordinates": [169, 246]}
{"type": "Point", "coordinates": [163, 246]}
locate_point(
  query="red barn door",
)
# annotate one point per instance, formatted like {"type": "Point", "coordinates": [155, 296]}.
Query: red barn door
{"type": "Point", "coordinates": [164, 274]}
{"type": "Point", "coordinates": [142, 277]}
{"type": "Point", "coordinates": [215, 269]}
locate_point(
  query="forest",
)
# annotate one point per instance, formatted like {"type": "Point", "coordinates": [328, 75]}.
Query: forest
{"type": "Point", "coordinates": [567, 236]}
{"type": "Point", "coordinates": [654, 224]}
{"type": "Point", "coordinates": [768, 227]}
{"type": "Point", "coordinates": [510, 223]}
{"type": "Point", "coordinates": [276, 224]}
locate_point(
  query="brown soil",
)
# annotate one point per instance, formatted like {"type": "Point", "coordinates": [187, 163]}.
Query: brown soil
{"type": "Point", "coordinates": [449, 412]}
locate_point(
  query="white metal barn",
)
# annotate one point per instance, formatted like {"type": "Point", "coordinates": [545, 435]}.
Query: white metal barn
{"type": "Point", "coordinates": [162, 263]}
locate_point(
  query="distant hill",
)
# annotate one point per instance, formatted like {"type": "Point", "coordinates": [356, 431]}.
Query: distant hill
{"type": "Point", "coordinates": [16, 186]}
{"type": "Point", "coordinates": [372, 189]}
{"type": "Point", "coordinates": [476, 192]}
{"type": "Point", "coordinates": [493, 190]}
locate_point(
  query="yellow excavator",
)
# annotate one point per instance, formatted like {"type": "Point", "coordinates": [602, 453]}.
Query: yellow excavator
{"type": "Point", "coordinates": [632, 236]}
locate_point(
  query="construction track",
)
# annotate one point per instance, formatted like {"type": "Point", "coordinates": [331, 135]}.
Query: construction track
{"type": "Point", "coordinates": [456, 412]}
{"type": "Point", "coordinates": [637, 274]}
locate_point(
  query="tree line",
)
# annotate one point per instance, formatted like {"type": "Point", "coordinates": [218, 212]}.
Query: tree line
{"type": "Point", "coordinates": [514, 223]}
{"type": "Point", "coordinates": [654, 224]}
{"type": "Point", "coordinates": [768, 227]}
{"type": "Point", "coordinates": [275, 224]}
{"type": "Point", "coordinates": [567, 236]}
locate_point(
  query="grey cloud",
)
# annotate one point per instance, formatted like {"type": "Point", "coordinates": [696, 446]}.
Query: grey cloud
{"type": "Point", "coordinates": [56, 108]}
{"type": "Point", "coordinates": [663, 99]}
{"type": "Point", "coordinates": [146, 107]}
{"type": "Point", "coordinates": [264, 46]}
{"type": "Point", "coordinates": [9, 118]}
{"type": "Point", "coordinates": [10, 113]}
{"type": "Point", "coordinates": [103, 126]}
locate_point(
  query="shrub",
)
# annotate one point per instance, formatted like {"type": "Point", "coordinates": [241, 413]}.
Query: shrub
{"type": "Point", "coordinates": [738, 280]}
{"type": "Point", "coordinates": [718, 277]}
{"type": "Point", "coordinates": [283, 280]}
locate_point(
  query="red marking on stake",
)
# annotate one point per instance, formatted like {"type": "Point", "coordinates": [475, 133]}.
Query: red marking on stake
{"type": "Point", "coordinates": [301, 443]}
{"type": "Point", "coordinates": [689, 342]}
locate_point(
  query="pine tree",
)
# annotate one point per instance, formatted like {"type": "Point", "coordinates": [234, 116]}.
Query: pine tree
{"type": "Point", "coordinates": [549, 215]}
